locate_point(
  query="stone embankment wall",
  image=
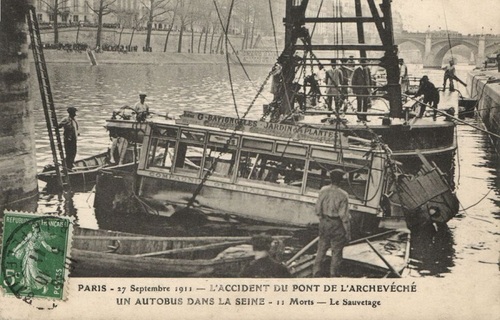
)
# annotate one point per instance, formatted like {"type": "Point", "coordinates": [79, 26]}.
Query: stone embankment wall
{"type": "Point", "coordinates": [18, 183]}
{"type": "Point", "coordinates": [485, 86]}
{"type": "Point", "coordinates": [112, 37]}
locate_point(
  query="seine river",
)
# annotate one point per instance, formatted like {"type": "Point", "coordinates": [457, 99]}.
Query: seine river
{"type": "Point", "coordinates": [469, 247]}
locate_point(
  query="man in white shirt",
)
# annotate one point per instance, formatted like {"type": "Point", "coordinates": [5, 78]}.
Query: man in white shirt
{"type": "Point", "coordinates": [141, 108]}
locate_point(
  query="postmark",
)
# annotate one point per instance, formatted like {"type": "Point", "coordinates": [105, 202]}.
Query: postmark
{"type": "Point", "coordinates": [35, 260]}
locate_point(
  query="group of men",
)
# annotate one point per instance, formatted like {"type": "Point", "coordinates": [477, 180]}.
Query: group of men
{"type": "Point", "coordinates": [337, 78]}
{"type": "Point", "coordinates": [343, 74]}
{"type": "Point", "coordinates": [70, 127]}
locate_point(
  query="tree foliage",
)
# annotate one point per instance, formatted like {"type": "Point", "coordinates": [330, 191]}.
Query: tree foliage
{"type": "Point", "coordinates": [56, 9]}
{"type": "Point", "coordinates": [101, 8]}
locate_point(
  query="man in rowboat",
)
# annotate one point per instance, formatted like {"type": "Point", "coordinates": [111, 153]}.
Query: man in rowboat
{"type": "Point", "coordinates": [141, 108]}
{"type": "Point", "coordinates": [70, 135]}
{"type": "Point", "coordinates": [264, 266]}
{"type": "Point", "coordinates": [332, 208]}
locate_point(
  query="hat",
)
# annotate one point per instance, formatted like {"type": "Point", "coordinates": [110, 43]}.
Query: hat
{"type": "Point", "coordinates": [336, 175]}
{"type": "Point", "coordinates": [424, 78]}
{"type": "Point", "coordinates": [71, 109]}
{"type": "Point", "coordinates": [262, 242]}
{"type": "Point", "coordinates": [400, 60]}
{"type": "Point", "coordinates": [142, 94]}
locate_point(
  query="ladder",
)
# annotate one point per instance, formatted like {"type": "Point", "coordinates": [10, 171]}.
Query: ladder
{"type": "Point", "coordinates": [48, 102]}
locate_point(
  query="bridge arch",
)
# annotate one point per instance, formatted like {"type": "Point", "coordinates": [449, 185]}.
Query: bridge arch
{"type": "Point", "coordinates": [441, 47]}
{"type": "Point", "coordinates": [420, 45]}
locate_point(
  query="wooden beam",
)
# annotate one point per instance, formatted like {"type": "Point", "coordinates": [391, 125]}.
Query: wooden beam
{"type": "Point", "coordinates": [393, 270]}
{"type": "Point", "coordinates": [338, 19]}
{"type": "Point", "coordinates": [333, 47]}
{"type": "Point", "coordinates": [191, 249]}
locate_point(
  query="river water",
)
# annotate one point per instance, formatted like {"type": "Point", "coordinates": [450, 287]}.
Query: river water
{"type": "Point", "coordinates": [469, 246]}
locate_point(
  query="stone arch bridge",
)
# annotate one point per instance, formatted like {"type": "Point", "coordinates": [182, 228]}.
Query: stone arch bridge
{"type": "Point", "coordinates": [434, 45]}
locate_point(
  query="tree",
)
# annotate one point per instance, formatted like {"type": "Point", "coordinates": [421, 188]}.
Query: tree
{"type": "Point", "coordinates": [125, 18]}
{"type": "Point", "coordinates": [171, 26]}
{"type": "Point", "coordinates": [101, 8]}
{"type": "Point", "coordinates": [136, 22]}
{"type": "Point", "coordinates": [155, 8]}
{"type": "Point", "coordinates": [56, 8]}
{"type": "Point", "coordinates": [184, 14]}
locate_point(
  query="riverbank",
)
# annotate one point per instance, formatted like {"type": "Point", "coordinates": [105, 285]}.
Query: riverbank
{"type": "Point", "coordinates": [159, 58]}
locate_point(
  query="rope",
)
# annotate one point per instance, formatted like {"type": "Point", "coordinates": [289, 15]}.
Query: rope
{"type": "Point", "coordinates": [225, 29]}
{"type": "Point", "coordinates": [317, 16]}
{"type": "Point", "coordinates": [274, 27]}
{"type": "Point", "coordinates": [478, 202]}
{"type": "Point", "coordinates": [234, 50]}
{"type": "Point", "coordinates": [447, 32]}
{"type": "Point", "coordinates": [454, 118]}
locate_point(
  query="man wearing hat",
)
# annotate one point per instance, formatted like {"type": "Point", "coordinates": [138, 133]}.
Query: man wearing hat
{"type": "Point", "coordinates": [332, 208]}
{"type": "Point", "coordinates": [70, 136]}
{"type": "Point", "coordinates": [141, 108]}
{"type": "Point", "coordinates": [263, 265]}
{"type": "Point", "coordinates": [430, 93]}
{"type": "Point", "coordinates": [449, 73]}
{"type": "Point", "coordinates": [403, 76]}
{"type": "Point", "coordinates": [334, 80]}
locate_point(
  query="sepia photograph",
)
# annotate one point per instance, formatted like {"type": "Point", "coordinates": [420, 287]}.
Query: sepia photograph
{"type": "Point", "coordinates": [281, 159]}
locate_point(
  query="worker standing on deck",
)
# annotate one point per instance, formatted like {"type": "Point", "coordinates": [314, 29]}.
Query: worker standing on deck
{"type": "Point", "coordinates": [449, 73]}
{"type": "Point", "coordinates": [431, 95]}
{"type": "Point", "coordinates": [346, 75]}
{"type": "Point", "coordinates": [332, 207]}
{"type": "Point", "coordinates": [141, 108]}
{"type": "Point", "coordinates": [334, 80]}
{"type": "Point", "coordinates": [264, 266]}
{"type": "Point", "coordinates": [361, 81]}
{"type": "Point", "coordinates": [70, 126]}
{"type": "Point", "coordinates": [403, 76]}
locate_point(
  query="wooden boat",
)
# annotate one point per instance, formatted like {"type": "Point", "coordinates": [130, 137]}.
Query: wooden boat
{"type": "Point", "coordinates": [382, 255]}
{"type": "Point", "coordinates": [99, 253]}
{"type": "Point", "coordinates": [84, 173]}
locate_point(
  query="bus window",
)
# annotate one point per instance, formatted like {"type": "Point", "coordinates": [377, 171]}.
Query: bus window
{"type": "Point", "coordinates": [354, 182]}
{"type": "Point", "coordinates": [194, 136]}
{"type": "Point", "coordinates": [270, 170]}
{"type": "Point", "coordinates": [161, 153]}
{"type": "Point", "coordinates": [225, 162]}
{"type": "Point", "coordinates": [188, 159]}
{"type": "Point", "coordinates": [164, 132]}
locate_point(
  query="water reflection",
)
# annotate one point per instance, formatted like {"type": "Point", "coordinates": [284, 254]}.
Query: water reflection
{"type": "Point", "coordinates": [97, 91]}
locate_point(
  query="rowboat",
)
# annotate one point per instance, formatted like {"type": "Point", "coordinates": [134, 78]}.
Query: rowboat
{"type": "Point", "coordinates": [383, 255]}
{"type": "Point", "coordinates": [102, 253]}
{"type": "Point", "coordinates": [84, 173]}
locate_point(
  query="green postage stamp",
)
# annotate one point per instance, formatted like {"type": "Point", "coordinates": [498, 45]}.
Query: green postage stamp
{"type": "Point", "coordinates": [35, 259]}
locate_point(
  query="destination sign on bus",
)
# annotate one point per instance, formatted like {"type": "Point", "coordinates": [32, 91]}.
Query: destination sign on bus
{"type": "Point", "coordinates": [262, 127]}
